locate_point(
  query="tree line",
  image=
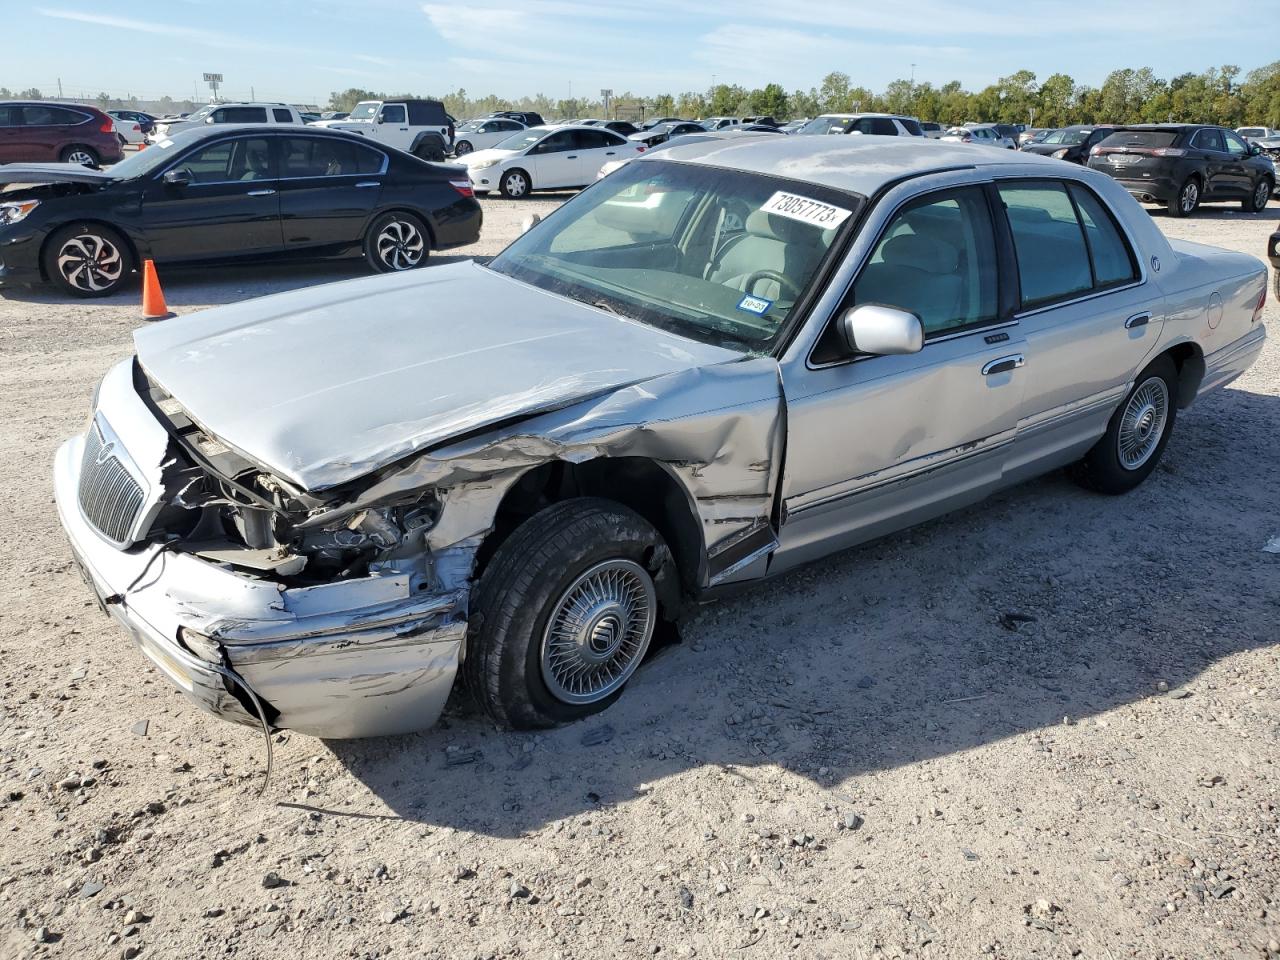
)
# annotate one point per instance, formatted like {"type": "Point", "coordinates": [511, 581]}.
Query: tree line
{"type": "Point", "coordinates": [1217, 95]}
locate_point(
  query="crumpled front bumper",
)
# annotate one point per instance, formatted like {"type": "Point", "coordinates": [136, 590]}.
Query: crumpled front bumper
{"type": "Point", "coordinates": [354, 658]}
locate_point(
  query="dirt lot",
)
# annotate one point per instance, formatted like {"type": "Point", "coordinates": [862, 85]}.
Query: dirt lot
{"type": "Point", "coordinates": [859, 760]}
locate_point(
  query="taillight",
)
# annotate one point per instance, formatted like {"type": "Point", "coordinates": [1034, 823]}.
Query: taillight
{"type": "Point", "coordinates": [463, 187]}
{"type": "Point", "coordinates": [639, 149]}
{"type": "Point", "coordinates": [1262, 302]}
{"type": "Point", "coordinates": [108, 125]}
{"type": "Point", "coordinates": [137, 129]}
{"type": "Point", "coordinates": [1095, 151]}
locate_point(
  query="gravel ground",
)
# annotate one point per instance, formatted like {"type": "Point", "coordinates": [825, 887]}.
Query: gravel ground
{"type": "Point", "coordinates": [868, 758]}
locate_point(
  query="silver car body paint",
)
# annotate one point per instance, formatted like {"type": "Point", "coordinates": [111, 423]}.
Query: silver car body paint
{"type": "Point", "coordinates": [459, 381]}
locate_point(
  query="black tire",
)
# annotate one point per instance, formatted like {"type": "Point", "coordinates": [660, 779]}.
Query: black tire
{"type": "Point", "coordinates": [431, 149]}
{"type": "Point", "coordinates": [515, 184]}
{"type": "Point", "coordinates": [1187, 199]}
{"type": "Point", "coordinates": [395, 242]}
{"type": "Point", "coordinates": [530, 579]}
{"type": "Point", "coordinates": [1256, 202]}
{"type": "Point", "coordinates": [1104, 469]}
{"type": "Point", "coordinates": [462, 148]}
{"type": "Point", "coordinates": [79, 153]}
{"type": "Point", "coordinates": [88, 259]}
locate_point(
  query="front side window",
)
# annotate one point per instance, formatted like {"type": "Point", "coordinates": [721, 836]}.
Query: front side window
{"type": "Point", "coordinates": [715, 255]}
{"type": "Point", "coordinates": [240, 115]}
{"type": "Point", "coordinates": [936, 259]}
{"type": "Point", "coordinates": [557, 143]}
{"type": "Point", "coordinates": [1235, 146]}
{"type": "Point", "coordinates": [228, 161]}
{"type": "Point", "coordinates": [392, 113]}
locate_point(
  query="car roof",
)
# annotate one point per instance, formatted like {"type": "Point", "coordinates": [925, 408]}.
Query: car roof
{"type": "Point", "coordinates": [1163, 127]}
{"type": "Point", "coordinates": [201, 132]}
{"type": "Point", "coordinates": [861, 165]}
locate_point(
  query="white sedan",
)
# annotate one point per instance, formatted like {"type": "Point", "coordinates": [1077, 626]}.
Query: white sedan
{"type": "Point", "coordinates": [482, 134]}
{"type": "Point", "coordinates": [546, 158]}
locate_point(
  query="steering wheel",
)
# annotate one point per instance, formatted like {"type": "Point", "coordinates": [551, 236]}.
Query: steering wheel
{"type": "Point", "coordinates": [784, 282]}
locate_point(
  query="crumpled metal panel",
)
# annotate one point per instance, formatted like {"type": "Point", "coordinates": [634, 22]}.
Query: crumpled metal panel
{"type": "Point", "coordinates": [718, 430]}
{"type": "Point", "coordinates": [339, 380]}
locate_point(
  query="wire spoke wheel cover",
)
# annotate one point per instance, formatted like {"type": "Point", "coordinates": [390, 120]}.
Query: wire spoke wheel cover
{"type": "Point", "coordinates": [598, 632]}
{"type": "Point", "coordinates": [90, 262]}
{"type": "Point", "coordinates": [1143, 422]}
{"type": "Point", "coordinates": [400, 245]}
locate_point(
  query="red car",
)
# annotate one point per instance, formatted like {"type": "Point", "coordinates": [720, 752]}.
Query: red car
{"type": "Point", "coordinates": [35, 132]}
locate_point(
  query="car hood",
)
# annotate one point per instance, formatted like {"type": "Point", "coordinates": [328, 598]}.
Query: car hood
{"type": "Point", "coordinates": [324, 385]}
{"type": "Point", "coordinates": [51, 173]}
{"type": "Point", "coordinates": [476, 157]}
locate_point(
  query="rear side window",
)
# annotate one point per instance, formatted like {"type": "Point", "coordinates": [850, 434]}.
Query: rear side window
{"type": "Point", "coordinates": [282, 115]}
{"type": "Point", "coordinates": [326, 157]}
{"type": "Point", "coordinates": [1113, 261]}
{"type": "Point", "coordinates": [936, 259]}
{"type": "Point", "coordinates": [912, 126]}
{"type": "Point", "coordinates": [229, 160]}
{"type": "Point", "coordinates": [1053, 260]}
{"type": "Point", "coordinates": [41, 116]}
{"type": "Point", "coordinates": [428, 114]}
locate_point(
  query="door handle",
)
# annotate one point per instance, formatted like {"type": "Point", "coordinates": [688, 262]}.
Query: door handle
{"type": "Point", "coordinates": [367, 183]}
{"type": "Point", "coordinates": [1137, 320]}
{"type": "Point", "coordinates": [609, 154]}
{"type": "Point", "coordinates": [261, 193]}
{"type": "Point", "coordinates": [573, 157]}
{"type": "Point", "coordinates": [1003, 365]}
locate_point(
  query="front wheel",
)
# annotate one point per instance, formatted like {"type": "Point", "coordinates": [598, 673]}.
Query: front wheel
{"type": "Point", "coordinates": [1257, 201]}
{"type": "Point", "coordinates": [396, 241]}
{"type": "Point", "coordinates": [515, 185]}
{"type": "Point", "coordinates": [1187, 199]}
{"type": "Point", "coordinates": [565, 613]}
{"type": "Point", "coordinates": [1137, 434]}
{"type": "Point", "coordinates": [462, 149]}
{"type": "Point", "coordinates": [88, 259]}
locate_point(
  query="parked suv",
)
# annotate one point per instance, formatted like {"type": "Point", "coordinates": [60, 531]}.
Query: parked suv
{"type": "Point", "coordinates": [36, 132]}
{"type": "Point", "coordinates": [420, 127]}
{"type": "Point", "coordinates": [1070, 143]}
{"type": "Point", "coordinates": [1181, 165]}
{"type": "Point", "coordinates": [227, 113]}
{"type": "Point", "coordinates": [530, 118]}
{"type": "Point", "coordinates": [876, 124]}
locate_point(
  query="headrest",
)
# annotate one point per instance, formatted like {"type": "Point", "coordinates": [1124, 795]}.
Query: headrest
{"type": "Point", "coordinates": [923, 253]}
{"type": "Point", "coordinates": [784, 229]}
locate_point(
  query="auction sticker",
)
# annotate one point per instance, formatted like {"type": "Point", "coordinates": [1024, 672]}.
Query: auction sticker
{"type": "Point", "coordinates": [757, 305]}
{"type": "Point", "coordinates": [806, 210]}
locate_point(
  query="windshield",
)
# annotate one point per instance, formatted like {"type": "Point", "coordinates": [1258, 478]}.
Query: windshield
{"type": "Point", "coordinates": [364, 111]}
{"type": "Point", "coordinates": [1067, 137]}
{"type": "Point", "coordinates": [470, 126]}
{"type": "Point", "coordinates": [1141, 138]}
{"type": "Point", "coordinates": [201, 113]}
{"type": "Point", "coordinates": [521, 140]}
{"type": "Point", "coordinates": [720, 256]}
{"type": "Point", "coordinates": [827, 125]}
{"type": "Point", "coordinates": [155, 156]}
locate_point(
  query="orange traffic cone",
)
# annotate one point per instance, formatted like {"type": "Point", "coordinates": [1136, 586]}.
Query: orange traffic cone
{"type": "Point", "coordinates": [153, 305]}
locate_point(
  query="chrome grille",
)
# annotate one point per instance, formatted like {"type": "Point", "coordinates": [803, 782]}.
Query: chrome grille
{"type": "Point", "coordinates": [110, 497]}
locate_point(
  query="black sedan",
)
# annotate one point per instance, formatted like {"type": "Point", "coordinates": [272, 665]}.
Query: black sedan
{"type": "Point", "coordinates": [226, 194]}
{"type": "Point", "coordinates": [1181, 165]}
{"type": "Point", "coordinates": [1070, 143]}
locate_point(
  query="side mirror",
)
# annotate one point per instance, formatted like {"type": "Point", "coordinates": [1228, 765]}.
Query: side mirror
{"type": "Point", "coordinates": [882, 331]}
{"type": "Point", "coordinates": [530, 222]}
{"type": "Point", "coordinates": [177, 177]}
{"type": "Point", "coordinates": [209, 119]}
{"type": "Point", "coordinates": [1254, 150]}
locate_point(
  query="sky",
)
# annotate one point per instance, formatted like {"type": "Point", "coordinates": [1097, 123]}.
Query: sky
{"type": "Point", "coordinates": [300, 50]}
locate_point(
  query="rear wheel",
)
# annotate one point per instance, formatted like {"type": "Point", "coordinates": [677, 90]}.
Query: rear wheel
{"type": "Point", "coordinates": [1257, 201]}
{"type": "Point", "coordinates": [79, 153]}
{"type": "Point", "coordinates": [515, 184]}
{"type": "Point", "coordinates": [1137, 434]}
{"type": "Point", "coordinates": [1187, 199]}
{"type": "Point", "coordinates": [564, 614]}
{"type": "Point", "coordinates": [88, 259]}
{"type": "Point", "coordinates": [395, 242]}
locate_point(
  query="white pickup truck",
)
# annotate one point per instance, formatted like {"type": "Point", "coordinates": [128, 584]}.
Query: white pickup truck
{"type": "Point", "coordinates": [420, 127]}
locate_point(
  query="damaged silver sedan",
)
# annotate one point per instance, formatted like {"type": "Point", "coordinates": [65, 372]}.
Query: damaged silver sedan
{"type": "Point", "coordinates": [318, 509]}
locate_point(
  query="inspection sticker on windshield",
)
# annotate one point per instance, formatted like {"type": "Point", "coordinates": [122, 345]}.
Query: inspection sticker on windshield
{"type": "Point", "coordinates": [757, 305]}
{"type": "Point", "coordinates": [815, 212]}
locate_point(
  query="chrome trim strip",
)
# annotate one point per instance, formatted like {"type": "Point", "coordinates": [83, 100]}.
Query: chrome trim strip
{"type": "Point", "coordinates": [1070, 411]}
{"type": "Point", "coordinates": [910, 471]}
